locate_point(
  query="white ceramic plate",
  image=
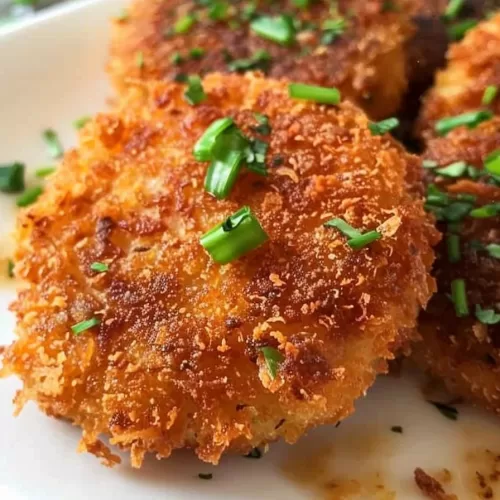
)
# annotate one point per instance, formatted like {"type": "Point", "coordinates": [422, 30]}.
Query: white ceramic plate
{"type": "Point", "coordinates": [51, 72]}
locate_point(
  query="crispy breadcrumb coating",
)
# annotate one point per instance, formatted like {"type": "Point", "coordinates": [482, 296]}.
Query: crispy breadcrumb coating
{"type": "Point", "coordinates": [472, 66]}
{"type": "Point", "coordinates": [366, 60]}
{"type": "Point", "coordinates": [176, 359]}
{"type": "Point", "coordinates": [464, 352]}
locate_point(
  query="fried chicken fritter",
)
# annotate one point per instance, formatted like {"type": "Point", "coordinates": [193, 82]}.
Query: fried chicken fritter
{"type": "Point", "coordinates": [465, 351]}
{"type": "Point", "coordinates": [176, 359]}
{"type": "Point", "coordinates": [358, 46]}
{"type": "Point", "coordinates": [472, 66]}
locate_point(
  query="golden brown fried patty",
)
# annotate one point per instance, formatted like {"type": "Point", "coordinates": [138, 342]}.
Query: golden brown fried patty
{"type": "Point", "coordinates": [366, 61]}
{"type": "Point", "coordinates": [473, 65]}
{"type": "Point", "coordinates": [176, 359]}
{"type": "Point", "coordinates": [465, 352]}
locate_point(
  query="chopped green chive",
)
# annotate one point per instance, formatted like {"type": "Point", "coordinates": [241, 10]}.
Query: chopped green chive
{"type": "Point", "coordinates": [473, 172]}
{"type": "Point", "coordinates": [54, 146]}
{"type": "Point", "coordinates": [301, 4]}
{"type": "Point", "coordinates": [486, 211]}
{"type": "Point", "coordinates": [12, 178]}
{"type": "Point", "coordinates": [493, 250]}
{"type": "Point", "coordinates": [489, 95]}
{"type": "Point", "coordinates": [256, 156]}
{"type": "Point", "coordinates": [273, 359]}
{"type": "Point", "coordinates": [397, 428]}
{"type": "Point", "coordinates": [459, 297]}
{"type": "Point", "coordinates": [184, 24]}
{"type": "Point", "coordinates": [181, 78]}
{"type": "Point", "coordinates": [364, 240]}
{"type": "Point", "coordinates": [453, 245]}
{"type": "Point", "coordinates": [332, 29]}
{"type": "Point", "coordinates": [44, 172]}
{"type": "Point", "coordinates": [446, 410]}
{"type": "Point", "coordinates": [345, 228]}
{"type": "Point", "coordinates": [263, 128]}
{"type": "Point", "coordinates": [176, 58]}
{"type": "Point", "coordinates": [255, 453]}
{"type": "Point", "coordinates": [139, 59]}
{"type": "Point", "coordinates": [457, 169]}
{"type": "Point", "coordinates": [197, 53]}
{"type": "Point", "coordinates": [29, 196]}
{"type": "Point", "coordinates": [81, 122]}
{"type": "Point", "coordinates": [203, 148]}
{"type": "Point", "coordinates": [458, 30]}
{"type": "Point", "coordinates": [487, 316]}
{"type": "Point", "coordinates": [99, 267]}
{"type": "Point", "coordinates": [85, 325]}
{"type": "Point", "coordinates": [430, 164]}
{"type": "Point", "coordinates": [453, 9]}
{"type": "Point", "coordinates": [10, 268]}
{"type": "Point", "coordinates": [323, 95]}
{"type": "Point", "coordinates": [437, 197]}
{"type": "Point", "coordinates": [471, 120]}
{"type": "Point", "coordinates": [206, 477]}
{"type": "Point", "coordinates": [384, 126]}
{"type": "Point", "coordinates": [492, 163]}
{"type": "Point", "coordinates": [259, 60]}
{"type": "Point", "coordinates": [194, 93]}
{"type": "Point", "coordinates": [218, 11]}
{"type": "Point", "coordinates": [236, 236]}
{"type": "Point", "coordinates": [456, 211]}
{"type": "Point", "coordinates": [278, 29]}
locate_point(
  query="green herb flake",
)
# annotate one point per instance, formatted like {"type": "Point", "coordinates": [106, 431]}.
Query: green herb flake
{"type": "Point", "coordinates": [486, 211]}
{"type": "Point", "coordinates": [487, 316]}
{"type": "Point", "coordinates": [29, 196]}
{"type": "Point", "coordinates": [184, 24]}
{"type": "Point", "coordinates": [54, 146]}
{"type": "Point", "coordinates": [493, 250]}
{"type": "Point", "coordinates": [470, 119]}
{"type": "Point", "coordinates": [278, 29]}
{"type": "Point", "coordinates": [458, 30]}
{"type": "Point", "coordinates": [43, 172]}
{"type": "Point", "coordinates": [259, 60]}
{"type": "Point", "coordinates": [492, 163]}
{"type": "Point", "coordinates": [490, 93]}
{"type": "Point", "coordinates": [99, 267]}
{"type": "Point", "coordinates": [218, 10]}
{"type": "Point", "coordinates": [194, 93]}
{"type": "Point", "coordinates": [457, 169]}
{"type": "Point", "coordinates": [176, 58]}
{"type": "Point", "coordinates": [345, 228]}
{"type": "Point", "coordinates": [384, 126]}
{"type": "Point", "coordinates": [12, 178]}
{"type": "Point", "coordinates": [79, 123]}
{"type": "Point", "coordinates": [453, 246]}
{"type": "Point", "coordinates": [197, 53]}
{"type": "Point", "coordinates": [273, 358]}
{"type": "Point", "coordinates": [453, 9]}
{"type": "Point", "coordinates": [397, 429]}
{"type": "Point", "coordinates": [10, 268]}
{"type": "Point", "coordinates": [459, 297]}
{"type": "Point", "coordinates": [456, 211]}
{"type": "Point", "coordinates": [204, 476]}
{"type": "Point", "coordinates": [256, 156]}
{"type": "Point", "coordinates": [263, 128]}
{"type": "Point", "coordinates": [446, 410]}
{"type": "Point", "coordinates": [333, 29]}
{"type": "Point", "coordinates": [85, 325]}
{"type": "Point", "coordinates": [301, 4]}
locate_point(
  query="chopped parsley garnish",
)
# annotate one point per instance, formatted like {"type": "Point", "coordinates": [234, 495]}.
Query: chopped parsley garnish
{"type": "Point", "coordinates": [263, 128]}
{"type": "Point", "coordinates": [54, 146]}
{"type": "Point", "coordinates": [453, 9]}
{"type": "Point", "coordinates": [384, 126]}
{"type": "Point", "coordinates": [12, 178]}
{"type": "Point", "coordinates": [85, 325]}
{"type": "Point", "coordinates": [486, 211]}
{"type": "Point", "coordinates": [458, 30]}
{"type": "Point", "coordinates": [255, 453]}
{"type": "Point", "coordinates": [43, 172]}
{"type": "Point", "coordinates": [273, 358]}
{"type": "Point", "coordinates": [207, 477]}
{"type": "Point", "coordinates": [457, 169]}
{"type": "Point", "coordinates": [489, 95]}
{"type": "Point", "coordinates": [487, 316]}
{"type": "Point", "coordinates": [197, 53]}
{"type": "Point", "coordinates": [446, 410]}
{"type": "Point", "coordinates": [278, 29]}
{"type": "Point", "coordinates": [79, 123]}
{"type": "Point", "coordinates": [236, 236]}
{"type": "Point", "coordinates": [194, 93]}
{"type": "Point", "coordinates": [10, 268]}
{"type": "Point", "coordinates": [471, 120]}
{"type": "Point", "coordinates": [492, 163]}
{"type": "Point", "coordinates": [459, 297]}
{"type": "Point", "coordinates": [184, 24]}
{"type": "Point", "coordinates": [332, 29]}
{"type": "Point", "coordinates": [397, 428]}
{"type": "Point", "coordinates": [259, 60]}
{"type": "Point", "coordinates": [322, 95]}
{"type": "Point", "coordinates": [356, 239]}
{"type": "Point", "coordinates": [453, 246]}
{"type": "Point", "coordinates": [493, 250]}
{"type": "Point", "coordinates": [139, 59]}
{"type": "Point", "coordinates": [99, 267]}
{"type": "Point", "coordinates": [29, 196]}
